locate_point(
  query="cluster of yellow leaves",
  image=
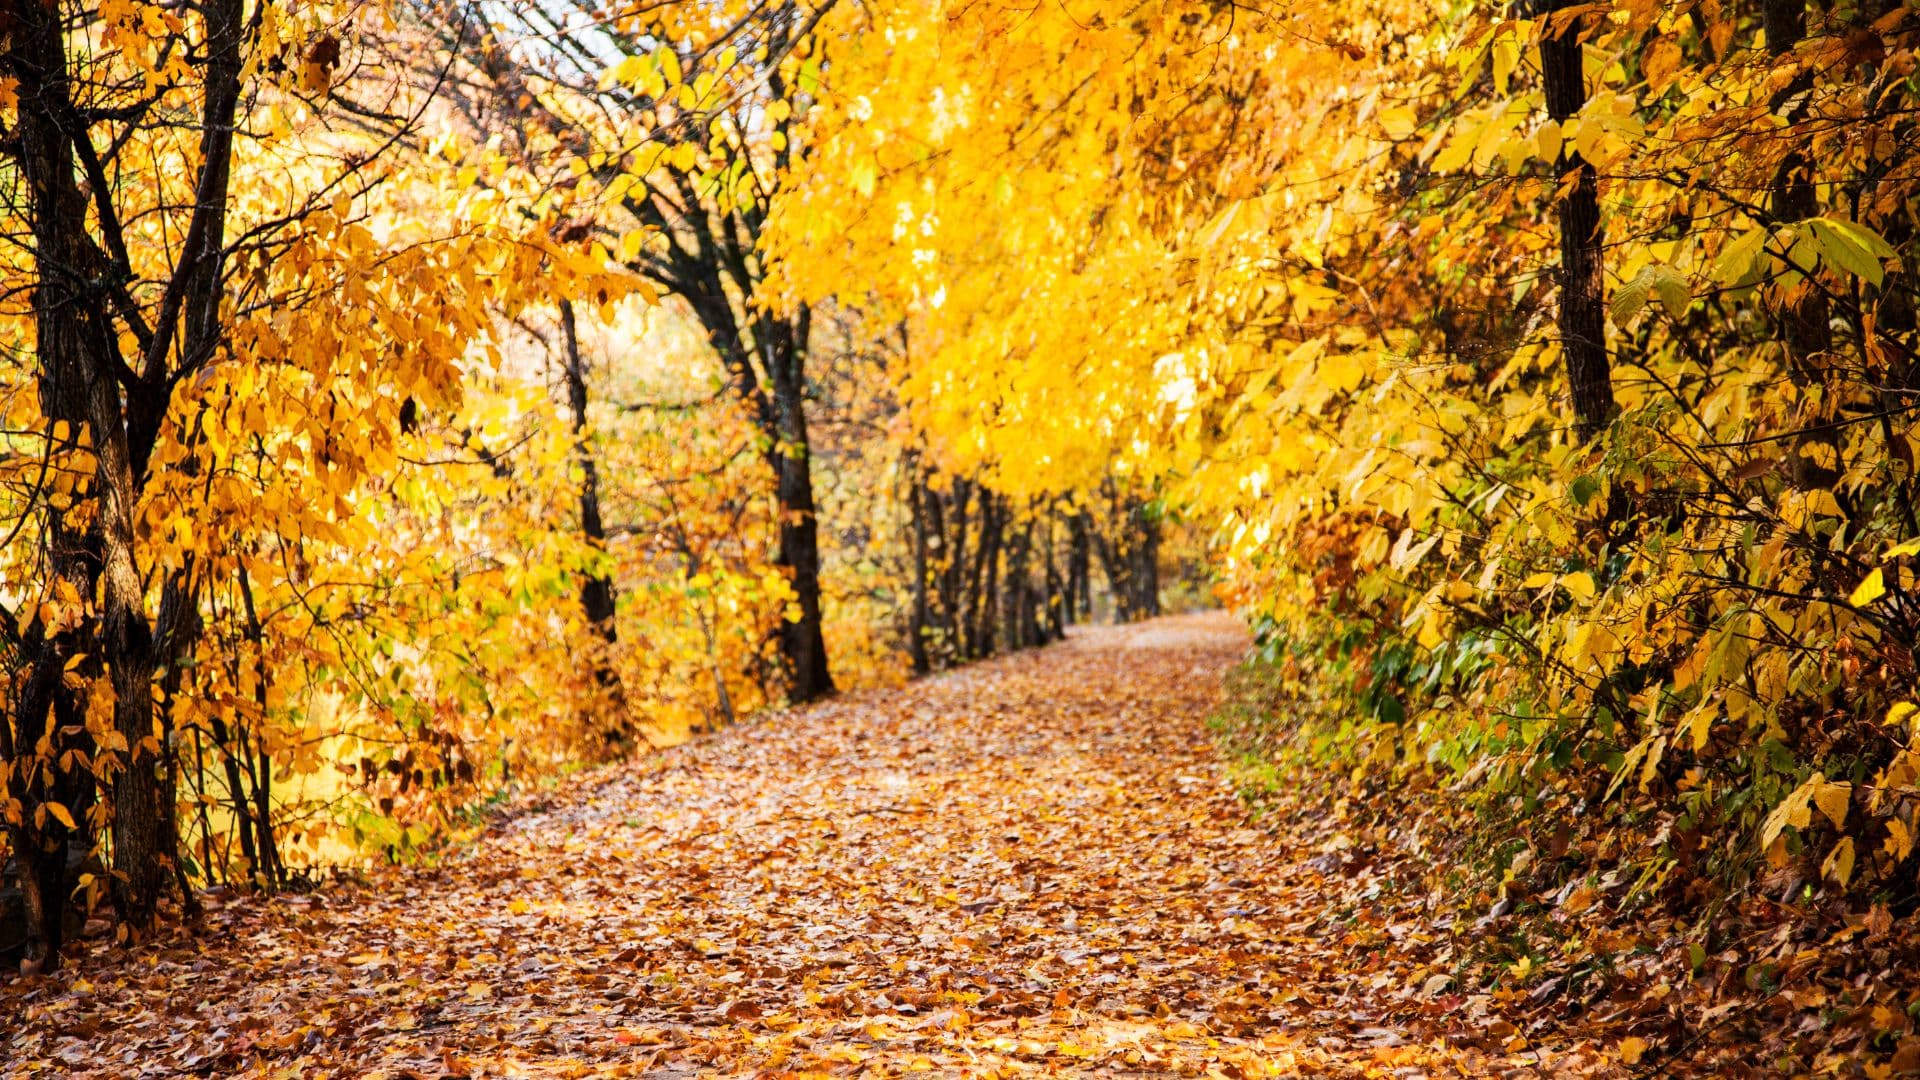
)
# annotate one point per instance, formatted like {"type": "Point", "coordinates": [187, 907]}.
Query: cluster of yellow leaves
{"type": "Point", "coordinates": [372, 487]}
{"type": "Point", "coordinates": [1304, 282]}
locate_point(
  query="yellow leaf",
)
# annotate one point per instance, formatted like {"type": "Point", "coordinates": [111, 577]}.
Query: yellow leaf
{"type": "Point", "coordinates": [519, 907]}
{"type": "Point", "coordinates": [1795, 810]}
{"type": "Point", "coordinates": [1899, 842]}
{"type": "Point", "coordinates": [631, 243]}
{"type": "Point", "coordinates": [1839, 861]}
{"type": "Point", "coordinates": [1821, 501]}
{"type": "Point", "coordinates": [1580, 584]}
{"type": "Point", "coordinates": [1777, 856]}
{"type": "Point", "coordinates": [1548, 139]}
{"type": "Point", "coordinates": [61, 812]}
{"type": "Point", "coordinates": [1871, 589]}
{"type": "Point", "coordinates": [1699, 723]}
{"type": "Point", "coordinates": [1631, 1049]}
{"type": "Point", "coordinates": [1832, 799]}
{"type": "Point", "coordinates": [1900, 711]}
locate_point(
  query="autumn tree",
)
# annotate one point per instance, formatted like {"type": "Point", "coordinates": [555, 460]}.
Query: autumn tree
{"type": "Point", "coordinates": [114, 333]}
{"type": "Point", "coordinates": [225, 362]}
{"type": "Point", "coordinates": [688, 114]}
{"type": "Point", "coordinates": [597, 591]}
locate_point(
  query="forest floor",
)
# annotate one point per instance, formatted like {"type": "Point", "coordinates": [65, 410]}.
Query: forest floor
{"type": "Point", "coordinates": [1036, 865]}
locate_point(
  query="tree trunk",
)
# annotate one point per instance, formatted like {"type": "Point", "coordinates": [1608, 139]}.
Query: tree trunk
{"type": "Point", "coordinates": [40, 841]}
{"type": "Point", "coordinates": [984, 580]}
{"type": "Point", "coordinates": [1130, 556]}
{"type": "Point", "coordinates": [1582, 317]}
{"type": "Point", "coordinates": [1013, 600]}
{"type": "Point", "coordinates": [597, 597]}
{"type": "Point", "coordinates": [803, 645]}
{"type": "Point", "coordinates": [953, 588]}
{"type": "Point", "coordinates": [269, 871]}
{"type": "Point", "coordinates": [79, 385]}
{"type": "Point", "coordinates": [86, 381]}
{"type": "Point", "coordinates": [1057, 604]}
{"type": "Point", "coordinates": [140, 830]}
{"type": "Point", "coordinates": [917, 627]}
{"type": "Point", "coordinates": [1080, 568]}
{"type": "Point", "coordinates": [1146, 567]}
{"type": "Point", "coordinates": [940, 558]}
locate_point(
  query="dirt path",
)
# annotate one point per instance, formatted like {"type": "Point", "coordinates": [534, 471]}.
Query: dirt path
{"type": "Point", "coordinates": [1034, 865]}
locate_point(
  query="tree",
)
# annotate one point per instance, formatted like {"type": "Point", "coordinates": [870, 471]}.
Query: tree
{"type": "Point", "coordinates": [689, 114]}
{"type": "Point", "coordinates": [113, 340]}
{"type": "Point", "coordinates": [597, 595]}
{"type": "Point", "coordinates": [224, 360]}
{"type": "Point", "coordinates": [1583, 301]}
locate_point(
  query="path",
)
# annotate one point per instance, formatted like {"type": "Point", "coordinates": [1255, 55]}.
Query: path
{"type": "Point", "coordinates": [1031, 866]}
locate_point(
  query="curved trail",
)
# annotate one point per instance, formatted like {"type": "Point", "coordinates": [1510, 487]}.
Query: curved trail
{"type": "Point", "coordinates": [1031, 866]}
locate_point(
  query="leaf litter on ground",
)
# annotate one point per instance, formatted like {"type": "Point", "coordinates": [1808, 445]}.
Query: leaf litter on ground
{"type": "Point", "coordinates": [1032, 866]}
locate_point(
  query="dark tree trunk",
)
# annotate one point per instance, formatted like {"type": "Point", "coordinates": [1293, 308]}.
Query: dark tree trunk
{"type": "Point", "coordinates": [1583, 340]}
{"type": "Point", "coordinates": [938, 624]}
{"type": "Point", "coordinates": [986, 576]}
{"type": "Point", "coordinates": [1146, 571]}
{"type": "Point", "coordinates": [41, 842]}
{"type": "Point", "coordinates": [1080, 568]}
{"type": "Point", "coordinates": [1057, 604]}
{"type": "Point", "coordinates": [803, 643]}
{"type": "Point", "coordinates": [269, 871]}
{"type": "Point", "coordinates": [79, 385]}
{"type": "Point", "coordinates": [918, 499]}
{"type": "Point", "coordinates": [1015, 602]}
{"type": "Point", "coordinates": [1130, 556]}
{"type": "Point", "coordinates": [237, 798]}
{"type": "Point", "coordinates": [984, 581]}
{"type": "Point", "coordinates": [597, 597]}
{"type": "Point", "coordinates": [85, 380]}
{"type": "Point", "coordinates": [956, 572]}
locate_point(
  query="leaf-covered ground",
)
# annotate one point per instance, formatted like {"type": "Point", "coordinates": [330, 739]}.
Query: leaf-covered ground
{"type": "Point", "coordinates": [1032, 866]}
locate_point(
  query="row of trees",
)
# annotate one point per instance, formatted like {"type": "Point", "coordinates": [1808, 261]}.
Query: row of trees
{"type": "Point", "coordinates": [407, 401]}
{"type": "Point", "coordinates": [990, 573]}
{"type": "Point", "coordinates": [153, 471]}
{"type": "Point", "coordinates": [1544, 369]}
